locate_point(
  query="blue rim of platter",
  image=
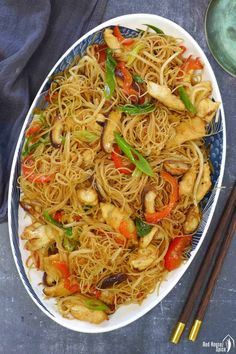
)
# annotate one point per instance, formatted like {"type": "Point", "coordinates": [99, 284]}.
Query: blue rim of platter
{"type": "Point", "coordinates": [215, 142]}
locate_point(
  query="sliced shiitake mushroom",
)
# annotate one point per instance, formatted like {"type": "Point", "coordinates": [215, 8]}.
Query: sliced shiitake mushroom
{"type": "Point", "coordinates": [99, 190]}
{"type": "Point", "coordinates": [112, 279]}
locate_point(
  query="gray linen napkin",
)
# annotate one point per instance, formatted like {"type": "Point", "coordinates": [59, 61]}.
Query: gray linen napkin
{"type": "Point", "coordinates": [33, 36]}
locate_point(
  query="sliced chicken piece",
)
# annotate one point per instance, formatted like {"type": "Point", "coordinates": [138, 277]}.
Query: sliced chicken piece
{"type": "Point", "coordinates": [48, 280]}
{"type": "Point", "coordinates": [163, 94]}
{"type": "Point", "coordinates": [204, 86]}
{"type": "Point", "coordinates": [149, 197]}
{"type": "Point", "coordinates": [173, 118]}
{"type": "Point", "coordinates": [176, 168]}
{"type": "Point", "coordinates": [144, 258]}
{"type": "Point", "coordinates": [30, 231]}
{"type": "Point", "coordinates": [82, 313]}
{"type": "Point", "coordinates": [107, 297]}
{"type": "Point", "coordinates": [57, 290]}
{"type": "Point", "coordinates": [199, 91]}
{"type": "Point", "coordinates": [52, 273]}
{"type": "Point", "coordinates": [111, 41]}
{"type": "Point", "coordinates": [205, 183]}
{"type": "Point", "coordinates": [192, 221]}
{"type": "Point", "coordinates": [191, 129]}
{"type": "Point", "coordinates": [187, 182]}
{"type": "Point", "coordinates": [113, 216]}
{"type": "Point", "coordinates": [112, 125]}
{"type": "Point", "coordinates": [87, 196]}
{"type": "Point", "coordinates": [87, 156]}
{"type": "Point", "coordinates": [206, 109]}
{"type": "Point", "coordinates": [147, 239]}
{"type": "Point", "coordinates": [38, 236]}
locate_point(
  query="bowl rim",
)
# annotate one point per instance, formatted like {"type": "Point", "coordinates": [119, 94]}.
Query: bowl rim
{"type": "Point", "coordinates": [145, 309]}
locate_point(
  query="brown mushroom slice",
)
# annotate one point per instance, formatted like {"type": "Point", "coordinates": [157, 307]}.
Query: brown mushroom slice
{"type": "Point", "coordinates": [56, 132]}
{"type": "Point", "coordinates": [88, 196]}
{"type": "Point", "coordinates": [111, 126]}
{"type": "Point", "coordinates": [176, 168]}
{"type": "Point", "coordinates": [99, 190]}
{"type": "Point", "coordinates": [190, 129]}
{"type": "Point", "coordinates": [192, 221]}
{"type": "Point", "coordinates": [113, 279]}
{"type": "Point", "coordinates": [163, 94]}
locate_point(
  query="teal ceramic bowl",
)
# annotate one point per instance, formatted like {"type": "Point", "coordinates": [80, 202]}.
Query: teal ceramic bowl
{"type": "Point", "coordinates": [220, 27]}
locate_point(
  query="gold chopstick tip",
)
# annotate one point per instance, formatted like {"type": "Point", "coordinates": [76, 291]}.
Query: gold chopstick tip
{"type": "Point", "coordinates": [177, 333]}
{"type": "Point", "coordinates": [194, 330]}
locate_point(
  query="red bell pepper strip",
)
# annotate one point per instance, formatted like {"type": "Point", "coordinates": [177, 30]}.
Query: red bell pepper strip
{"type": "Point", "coordinates": [73, 287]}
{"type": "Point", "coordinates": [62, 267]}
{"type": "Point", "coordinates": [157, 216]}
{"type": "Point", "coordinates": [191, 64]}
{"type": "Point", "coordinates": [117, 159]}
{"type": "Point", "coordinates": [102, 54]}
{"type": "Point", "coordinates": [121, 39]}
{"type": "Point", "coordinates": [120, 241]}
{"type": "Point", "coordinates": [183, 49]}
{"type": "Point", "coordinates": [28, 168]}
{"type": "Point", "coordinates": [32, 130]}
{"type": "Point", "coordinates": [95, 292]}
{"type": "Point", "coordinates": [173, 257]}
{"type": "Point", "coordinates": [125, 229]}
{"type": "Point", "coordinates": [49, 98]}
{"type": "Point", "coordinates": [77, 217]}
{"type": "Point", "coordinates": [58, 215]}
{"type": "Point", "coordinates": [128, 80]}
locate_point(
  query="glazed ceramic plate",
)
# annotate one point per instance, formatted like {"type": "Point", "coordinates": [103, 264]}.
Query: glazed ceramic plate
{"type": "Point", "coordinates": [220, 27]}
{"type": "Point", "coordinates": [216, 143]}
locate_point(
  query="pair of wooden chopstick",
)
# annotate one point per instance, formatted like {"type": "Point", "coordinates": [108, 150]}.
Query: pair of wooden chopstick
{"type": "Point", "coordinates": [221, 238]}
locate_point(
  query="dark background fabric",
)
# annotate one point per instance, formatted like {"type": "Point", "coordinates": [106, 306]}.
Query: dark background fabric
{"type": "Point", "coordinates": [33, 36]}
